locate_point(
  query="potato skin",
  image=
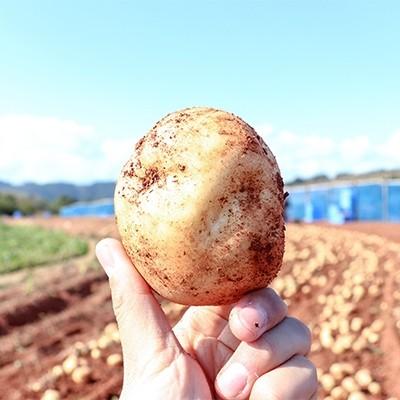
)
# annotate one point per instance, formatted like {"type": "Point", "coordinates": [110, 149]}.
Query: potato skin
{"type": "Point", "coordinates": [199, 207]}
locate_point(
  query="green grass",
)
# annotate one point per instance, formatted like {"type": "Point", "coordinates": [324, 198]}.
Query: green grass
{"type": "Point", "coordinates": [28, 246]}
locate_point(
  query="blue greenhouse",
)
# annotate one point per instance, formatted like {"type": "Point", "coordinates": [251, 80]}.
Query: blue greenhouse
{"type": "Point", "coordinates": [339, 202]}
{"type": "Point", "coordinates": [99, 208]}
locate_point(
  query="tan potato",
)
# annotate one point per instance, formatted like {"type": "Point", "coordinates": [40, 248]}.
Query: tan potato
{"type": "Point", "coordinates": [51, 394]}
{"type": "Point", "coordinates": [199, 208]}
{"type": "Point", "coordinates": [95, 353]}
{"type": "Point", "coordinates": [114, 359]}
{"type": "Point", "coordinates": [70, 363]}
{"type": "Point", "coordinates": [81, 374]}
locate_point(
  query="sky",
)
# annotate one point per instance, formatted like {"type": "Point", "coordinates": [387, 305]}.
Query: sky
{"type": "Point", "coordinates": [82, 81]}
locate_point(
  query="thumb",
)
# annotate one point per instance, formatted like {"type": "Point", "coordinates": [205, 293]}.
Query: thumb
{"type": "Point", "coordinates": [143, 327]}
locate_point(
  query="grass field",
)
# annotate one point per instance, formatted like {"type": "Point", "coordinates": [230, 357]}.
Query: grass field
{"type": "Point", "coordinates": [28, 246]}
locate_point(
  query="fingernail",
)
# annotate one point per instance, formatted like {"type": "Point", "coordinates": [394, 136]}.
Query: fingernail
{"type": "Point", "coordinates": [105, 257]}
{"type": "Point", "coordinates": [253, 317]}
{"type": "Point", "coordinates": [233, 380]}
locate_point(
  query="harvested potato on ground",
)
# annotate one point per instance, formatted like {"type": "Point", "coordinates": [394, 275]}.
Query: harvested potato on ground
{"type": "Point", "coordinates": [114, 359]}
{"type": "Point", "coordinates": [57, 371]}
{"type": "Point", "coordinates": [363, 377]}
{"type": "Point", "coordinates": [357, 396]}
{"type": "Point", "coordinates": [199, 208]}
{"type": "Point", "coordinates": [51, 394]}
{"type": "Point", "coordinates": [70, 363]}
{"type": "Point", "coordinates": [81, 374]}
{"type": "Point", "coordinates": [95, 353]}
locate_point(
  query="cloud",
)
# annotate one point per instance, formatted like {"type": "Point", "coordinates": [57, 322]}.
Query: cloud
{"type": "Point", "coordinates": [117, 151]}
{"type": "Point", "coordinates": [390, 148]}
{"type": "Point", "coordinates": [309, 155]}
{"type": "Point", "coordinates": [47, 149]}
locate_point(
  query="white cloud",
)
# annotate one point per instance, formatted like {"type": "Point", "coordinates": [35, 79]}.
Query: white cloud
{"type": "Point", "coordinates": [390, 148]}
{"type": "Point", "coordinates": [45, 149]}
{"type": "Point", "coordinates": [116, 151]}
{"type": "Point", "coordinates": [310, 155]}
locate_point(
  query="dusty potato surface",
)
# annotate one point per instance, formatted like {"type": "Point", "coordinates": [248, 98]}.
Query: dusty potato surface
{"type": "Point", "coordinates": [199, 208]}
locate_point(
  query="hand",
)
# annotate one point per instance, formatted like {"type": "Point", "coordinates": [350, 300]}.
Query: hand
{"type": "Point", "coordinates": [249, 350]}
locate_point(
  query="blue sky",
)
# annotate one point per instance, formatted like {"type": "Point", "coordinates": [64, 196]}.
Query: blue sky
{"type": "Point", "coordinates": [81, 81]}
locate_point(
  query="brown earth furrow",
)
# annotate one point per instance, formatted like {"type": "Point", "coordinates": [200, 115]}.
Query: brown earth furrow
{"type": "Point", "coordinates": [331, 277]}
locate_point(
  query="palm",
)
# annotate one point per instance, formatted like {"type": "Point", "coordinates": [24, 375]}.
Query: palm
{"type": "Point", "coordinates": [184, 363]}
{"type": "Point", "coordinates": [186, 368]}
{"type": "Point", "coordinates": [205, 336]}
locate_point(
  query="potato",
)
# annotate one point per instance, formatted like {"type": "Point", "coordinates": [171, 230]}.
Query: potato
{"type": "Point", "coordinates": [363, 377]}
{"type": "Point", "coordinates": [81, 374]}
{"type": "Point", "coordinates": [51, 394]}
{"type": "Point", "coordinates": [327, 382]}
{"type": "Point", "coordinates": [70, 363]}
{"type": "Point", "coordinates": [114, 359]}
{"type": "Point", "coordinates": [199, 207]}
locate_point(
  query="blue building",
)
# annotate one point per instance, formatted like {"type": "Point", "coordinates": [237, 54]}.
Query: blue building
{"type": "Point", "coordinates": [340, 201]}
{"type": "Point", "coordinates": [98, 208]}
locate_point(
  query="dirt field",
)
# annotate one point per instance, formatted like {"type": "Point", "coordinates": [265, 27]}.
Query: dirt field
{"type": "Point", "coordinates": [57, 329]}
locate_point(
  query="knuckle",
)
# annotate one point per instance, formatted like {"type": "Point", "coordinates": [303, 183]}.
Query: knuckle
{"type": "Point", "coordinates": [260, 296]}
{"type": "Point", "coordinates": [307, 335]}
{"type": "Point", "coordinates": [117, 298]}
{"type": "Point", "coordinates": [310, 371]}
{"type": "Point", "coordinates": [275, 396]}
{"type": "Point", "coordinates": [314, 376]}
{"type": "Point", "coordinates": [260, 391]}
{"type": "Point", "coordinates": [273, 294]}
{"type": "Point", "coordinates": [277, 306]}
{"type": "Point", "coordinates": [269, 296]}
{"type": "Point", "coordinates": [311, 376]}
{"type": "Point", "coordinates": [265, 344]}
{"type": "Point", "coordinates": [268, 300]}
{"type": "Point", "coordinates": [272, 389]}
{"type": "Point", "coordinates": [302, 330]}
{"type": "Point", "coordinates": [113, 283]}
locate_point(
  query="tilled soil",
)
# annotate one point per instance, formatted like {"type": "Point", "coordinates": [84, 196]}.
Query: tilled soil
{"type": "Point", "coordinates": [343, 283]}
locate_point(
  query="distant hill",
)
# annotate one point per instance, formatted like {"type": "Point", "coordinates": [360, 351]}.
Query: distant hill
{"type": "Point", "coordinates": [381, 174]}
{"type": "Point", "coordinates": [100, 190]}
{"type": "Point", "coordinates": [52, 191]}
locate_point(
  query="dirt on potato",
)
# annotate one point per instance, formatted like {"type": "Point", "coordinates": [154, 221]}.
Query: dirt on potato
{"type": "Point", "coordinates": [57, 329]}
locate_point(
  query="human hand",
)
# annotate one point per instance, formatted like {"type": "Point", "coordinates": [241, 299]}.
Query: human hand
{"type": "Point", "coordinates": [248, 350]}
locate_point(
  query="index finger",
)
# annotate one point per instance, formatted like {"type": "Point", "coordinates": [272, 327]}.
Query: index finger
{"type": "Point", "coordinates": [256, 313]}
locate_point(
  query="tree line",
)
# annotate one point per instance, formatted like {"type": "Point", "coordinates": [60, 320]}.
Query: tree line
{"type": "Point", "coordinates": [11, 204]}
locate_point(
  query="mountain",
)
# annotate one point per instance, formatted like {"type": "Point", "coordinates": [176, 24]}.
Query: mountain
{"type": "Point", "coordinates": [100, 190]}
{"type": "Point", "coordinates": [51, 191]}
{"type": "Point", "coordinates": [378, 174]}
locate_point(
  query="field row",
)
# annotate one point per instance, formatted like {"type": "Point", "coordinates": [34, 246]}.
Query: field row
{"type": "Point", "coordinates": [344, 285]}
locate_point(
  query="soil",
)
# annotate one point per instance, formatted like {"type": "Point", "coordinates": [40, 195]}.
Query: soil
{"type": "Point", "coordinates": [46, 312]}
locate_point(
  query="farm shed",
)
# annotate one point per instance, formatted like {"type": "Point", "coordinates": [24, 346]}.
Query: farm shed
{"type": "Point", "coordinates": [341, 201]}
{"type": "Point", "coordinates": [98, 208]}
